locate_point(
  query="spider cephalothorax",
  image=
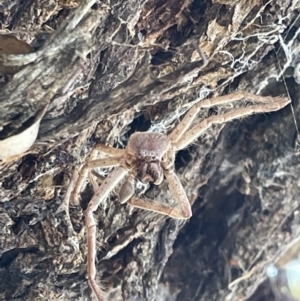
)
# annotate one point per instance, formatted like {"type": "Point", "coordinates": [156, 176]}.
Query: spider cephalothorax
{"type": "Point", "coordinates": [144, 156]}
{"type": "Point", "coordinates": [149, 149]}
{"type": "Point", "coordinates": [149, 157]}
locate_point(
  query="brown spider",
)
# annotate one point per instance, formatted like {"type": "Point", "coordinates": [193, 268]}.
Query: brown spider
{"type": "Point", "coordinates": [149, 157]}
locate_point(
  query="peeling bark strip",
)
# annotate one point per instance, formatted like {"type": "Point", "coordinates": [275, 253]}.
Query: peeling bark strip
{"type": "Point", "coordinates": [106, 69]}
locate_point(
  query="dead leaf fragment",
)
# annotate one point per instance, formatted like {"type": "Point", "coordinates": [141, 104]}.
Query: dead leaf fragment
{"type": "Point", "coordinates": [12, 45]}
{"type": "Point", "coordinates": [20, 143]}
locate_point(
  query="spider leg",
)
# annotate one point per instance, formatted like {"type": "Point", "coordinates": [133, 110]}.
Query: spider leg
{"type": "Point", "coordinates": [101, 194]}
{"type": "Point", "coordinates": [93, 181]}
{"type": "Point", "coordinates": [179, 194]}
{"type": "Point", "coordinates": [182, 210]}
{"type": "Point", "coordinates": [106, 162]}
{"type": "Point", "coordinates": [115, 154]}
{"type": "Point", "coordinates": [276, 103]}
{"type": "Point", "coordinates": [172, 212]}
{"type": "Point", "coordinates": [111, 151]}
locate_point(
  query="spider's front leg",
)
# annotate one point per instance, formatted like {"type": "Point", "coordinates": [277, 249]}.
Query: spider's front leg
{"type": "Point", "coordinates": [182, 209]}
{"type": "Point", "coordinates": [182, 137]}
{"type": "Point", "coordinates": [100, 195]}
{"type": "Point", "coordinates": [115, 156]}
{"type": "Point", "coordinates": [178, 192]}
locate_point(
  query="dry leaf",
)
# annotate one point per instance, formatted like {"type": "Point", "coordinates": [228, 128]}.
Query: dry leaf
{"type": "Point", "coordinates": [20, 143]}
{"type": "Point", "coordinates": [12, 45]}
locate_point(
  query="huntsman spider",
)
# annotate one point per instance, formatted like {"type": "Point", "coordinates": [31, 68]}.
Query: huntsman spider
{"type": "Point", "coordinates": [149, 158]}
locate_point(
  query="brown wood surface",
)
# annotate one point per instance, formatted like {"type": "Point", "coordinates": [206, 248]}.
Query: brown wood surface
{"type": "Point", "coordinates": [107, 69]}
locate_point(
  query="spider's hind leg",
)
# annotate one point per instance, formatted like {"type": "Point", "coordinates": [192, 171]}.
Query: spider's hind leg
{"type": "Point", "coordinates": [100, 195]}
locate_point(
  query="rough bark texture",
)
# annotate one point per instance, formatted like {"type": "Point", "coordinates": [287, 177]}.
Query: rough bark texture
{"type": "Point", "coordinates": [107, 69]}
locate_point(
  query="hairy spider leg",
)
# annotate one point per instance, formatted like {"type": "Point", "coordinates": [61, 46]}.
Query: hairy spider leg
{"type": "Point", "coordinates": [114, 160]}
{"type": "Point", "coordinates": [100, 195]}
{"type": "Point", "coordinates": [268, 104]}
{"type": "Point", "coordinates": [190, 116]}
{"type": "Point", "coordinates": [198, 129]}
{"type": "Point", "coordinates": [182, 209]}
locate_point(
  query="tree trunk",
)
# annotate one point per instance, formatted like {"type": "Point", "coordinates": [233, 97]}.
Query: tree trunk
{"type": "Point", "coordinates": [103, 70]}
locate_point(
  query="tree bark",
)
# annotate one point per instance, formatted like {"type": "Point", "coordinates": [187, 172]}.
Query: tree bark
{"type": "Point", "coordinates": [104, 70]}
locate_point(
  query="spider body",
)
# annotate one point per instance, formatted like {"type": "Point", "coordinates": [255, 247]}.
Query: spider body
{"type": "Point", "coordinates": [149, 158]}
{"type": "Point", "coordinates": [150, 150]}
{"type": "Point", "coordinates": [145, 155]}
